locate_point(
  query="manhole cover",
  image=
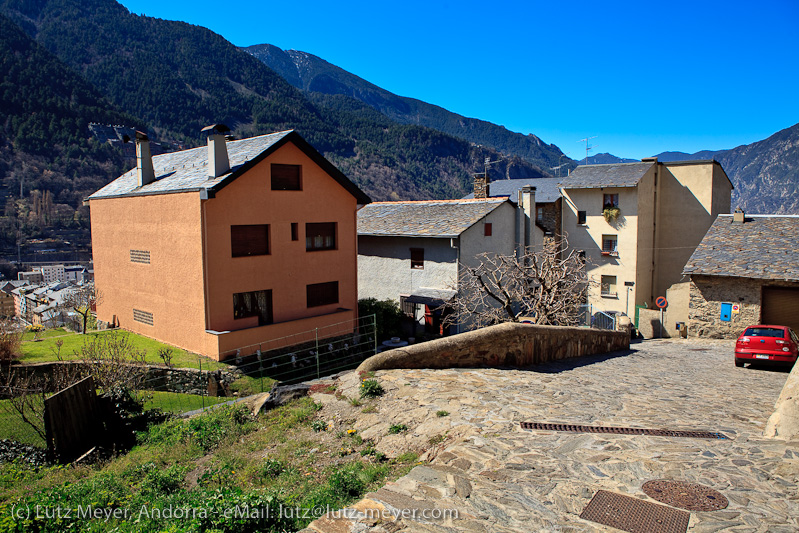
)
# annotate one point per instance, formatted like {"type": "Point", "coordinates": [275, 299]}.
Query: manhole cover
{"type": "Point", "coordinates": [691, 496]}
{"type": "Point", "coordinates": [634, 515]}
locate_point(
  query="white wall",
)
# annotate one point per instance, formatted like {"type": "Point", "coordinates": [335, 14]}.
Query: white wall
{"type": "Point", "coordinates": [384, 266]}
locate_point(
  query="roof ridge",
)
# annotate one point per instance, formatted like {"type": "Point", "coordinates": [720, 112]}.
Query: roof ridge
{"type": "Point", "coordinates": [492, 199]}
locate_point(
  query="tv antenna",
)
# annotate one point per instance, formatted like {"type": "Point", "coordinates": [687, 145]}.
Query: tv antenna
{"type": "Point", "coordinates": [487, 163]}
{"type": "Point", "coordinates": [588, 147]}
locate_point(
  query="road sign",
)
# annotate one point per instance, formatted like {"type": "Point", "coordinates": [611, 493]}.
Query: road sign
{"type": "Point", "coordinates": [736, 308]}
{"type": "Point", "coordinates": [661, 302]}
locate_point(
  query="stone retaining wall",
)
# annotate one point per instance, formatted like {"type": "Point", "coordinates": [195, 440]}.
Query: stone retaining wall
{"type": "Point", "coordinates": [784, 423]}
{"type": "Point", "coordinates": [504, 345]}
{"type": "Point", "coordinates": [159, 378]}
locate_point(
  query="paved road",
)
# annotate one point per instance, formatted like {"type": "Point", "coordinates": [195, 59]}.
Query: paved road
{"type": "Point", "coordinates": [501, 478]}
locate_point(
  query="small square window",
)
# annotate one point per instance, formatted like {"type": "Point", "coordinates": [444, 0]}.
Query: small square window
{"type": "Point", "coordinates": [487, 229]}
{"type": "Point", "coordinates": [609, 245]}
{"type": "Point", "coordinates": [610, 200]}
{"type": "Point", "coordinates": [320, 236]}
{"type": "Point", "coordinates": [581, 217]}
{"type": "Point", "coordinates": [608, 286]}
{"type": "Point", "coordinates": [255, 303]}
{"type": "Point", "coordinates": [417, 258]}
{"type": "Point", "coordinates": [286, 177]}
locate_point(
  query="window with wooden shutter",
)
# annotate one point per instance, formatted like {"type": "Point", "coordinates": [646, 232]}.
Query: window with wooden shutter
{"type": "Point", "coordinates": [249, 240]}
{"type": "Point", "coordinates": [322, 293]}
{"type": "Point", "coordinates": [286, 177]}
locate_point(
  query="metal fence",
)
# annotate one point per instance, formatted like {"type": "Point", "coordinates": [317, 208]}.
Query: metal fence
{"type": "Point", "coordinates": [309, 355]}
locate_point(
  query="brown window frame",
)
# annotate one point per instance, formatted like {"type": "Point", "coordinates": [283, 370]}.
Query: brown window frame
{"type": "Point", "coordinates": [321, 294]}
{"type": "Point", "coordinates": [610, 200]}
{"type": "Point", "coordinates": [245, 306]}
{"type": "Point", "coordinates": [245, 241]}
{"type": "Point", "coordinates": [312, 233]}
{"type": "Point", "coordinates": [417, 258]}
{"type": "Point", "coordinates": [285, 177]}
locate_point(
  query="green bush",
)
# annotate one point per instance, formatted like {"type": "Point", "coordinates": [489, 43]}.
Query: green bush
{"type": "Point", "coordinates": [371, 388]}
{"type": "Point", "coordinates": [397, 428]}
{"type": "Point", "coordinates": [388, 316]}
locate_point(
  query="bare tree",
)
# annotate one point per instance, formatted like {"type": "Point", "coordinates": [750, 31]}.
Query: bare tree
{"type": "Point", "coordinates": [547, 285]}
{"type": "Point", "coordinates": [81, 300]}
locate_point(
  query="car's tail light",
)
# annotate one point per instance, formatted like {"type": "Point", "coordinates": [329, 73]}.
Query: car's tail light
{"type": "Point", "coordinates": [743, 340]}
{"type": "Point", "coordinates": [780, 341]}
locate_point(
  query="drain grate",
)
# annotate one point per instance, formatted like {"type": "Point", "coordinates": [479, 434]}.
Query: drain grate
{"type": "Point", "coordinates": [634, 515]}
{"type": "Point", "coordinates": [690, 496]}
{"type": "Point", "coordinates": [623, 431]}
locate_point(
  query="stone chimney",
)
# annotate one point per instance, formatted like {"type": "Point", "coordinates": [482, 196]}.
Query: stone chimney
{"type": "Point", "coordinates": [738, 216]}
{"type": "Point", "coordinates": [145, 173]}
{"type": "Point", "coordinates": [481, 186]}
{"type": "Point", "coordinates": [218, 162]}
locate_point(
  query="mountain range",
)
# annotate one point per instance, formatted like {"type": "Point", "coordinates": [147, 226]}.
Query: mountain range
{"type": "Point", "coordinates": [67, 63]}
{"type": "Point", "coordinates": [765, 173]}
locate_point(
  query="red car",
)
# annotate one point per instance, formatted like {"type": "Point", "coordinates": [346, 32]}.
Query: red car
{"type": "Point", "coordinates": [767, 344]}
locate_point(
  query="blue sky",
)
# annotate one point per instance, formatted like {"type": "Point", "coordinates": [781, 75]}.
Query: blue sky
{"type": "Point", "coordinates": [642, 78]}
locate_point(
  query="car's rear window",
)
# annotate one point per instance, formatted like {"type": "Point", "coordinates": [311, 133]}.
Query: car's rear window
{"type": "Point", "coordinates": [765, 332]}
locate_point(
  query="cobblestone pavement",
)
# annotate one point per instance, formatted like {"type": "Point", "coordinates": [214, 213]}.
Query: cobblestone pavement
{"type": "Point", "coordinates": [501, 478]}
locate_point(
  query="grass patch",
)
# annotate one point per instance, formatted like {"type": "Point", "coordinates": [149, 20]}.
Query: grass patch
{"type": "Point", "coordinates": [43, 350]}
{"type": "Point", "coordinates": [12, 427]}
{"type": "Point", "coordinates": [175, 402]}
{"type": "Point", "coordinates": [211, 463]}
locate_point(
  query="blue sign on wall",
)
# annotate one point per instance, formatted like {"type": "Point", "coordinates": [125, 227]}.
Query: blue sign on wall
{"type": "Point", "coordinates": [726, 311]}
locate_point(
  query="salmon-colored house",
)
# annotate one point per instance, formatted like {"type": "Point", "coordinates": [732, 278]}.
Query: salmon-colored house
{"type": "Point", "coordinates": [221, 248]}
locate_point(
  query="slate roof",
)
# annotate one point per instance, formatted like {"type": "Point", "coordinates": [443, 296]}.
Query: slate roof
{"type": "Point", "coordinates": [763, 247]}
{"type": "Point", "coordinates": [546, 189]}
{"type": "Point", "coordinates": [187, 170]}
{"type": "Point", "coordinates": [432, 218]}
{"type": "Point", "coordinates": [613, 175]}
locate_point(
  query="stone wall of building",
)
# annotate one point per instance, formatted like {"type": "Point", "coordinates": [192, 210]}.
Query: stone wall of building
{"type": "Point", "coordinates": [551, 216]}
{"type": "Point", "coordinates": [707, 293]}
{"type": "Point", "coordinates": [504, 345]}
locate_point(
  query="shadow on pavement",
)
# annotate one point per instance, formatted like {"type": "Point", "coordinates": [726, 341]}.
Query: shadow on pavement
{"type": "Point", "coordinates": [564, 365]}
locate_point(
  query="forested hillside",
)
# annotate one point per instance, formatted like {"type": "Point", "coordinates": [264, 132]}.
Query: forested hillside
{"type": "Point", "coordinates": [48, 164]}
{"type": "Point", "coordinates": [315, 75]}
{"type": "Point", "coordinates": [180, 78]}
{"type": "Point", "coordinates": [765, 173]}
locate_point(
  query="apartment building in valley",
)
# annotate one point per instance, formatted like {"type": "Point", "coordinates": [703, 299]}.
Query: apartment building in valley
{"type": "Point", "coordinates": [223, 247]}
{"type": "Point", "coordinates": [639, 223]}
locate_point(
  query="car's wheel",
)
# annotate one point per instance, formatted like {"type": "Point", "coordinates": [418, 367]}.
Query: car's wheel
{"type": "Point", "coordinates": [739, 363]}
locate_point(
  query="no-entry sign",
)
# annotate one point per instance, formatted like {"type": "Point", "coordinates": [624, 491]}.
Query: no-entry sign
{"type": "Point", "coordinates": [661, 302]}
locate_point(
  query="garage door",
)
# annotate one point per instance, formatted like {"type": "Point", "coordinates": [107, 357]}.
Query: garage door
{"type": "Point", "coordinates": [781, 307]}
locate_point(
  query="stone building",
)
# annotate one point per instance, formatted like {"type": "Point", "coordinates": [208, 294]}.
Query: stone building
{"type": "Point", "coordinates": [745, 271]}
